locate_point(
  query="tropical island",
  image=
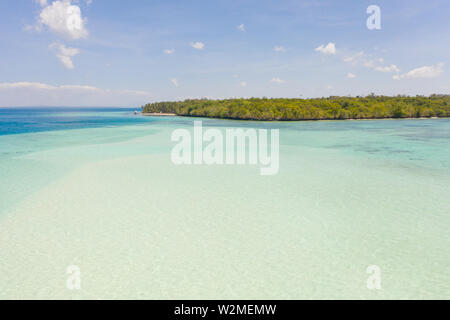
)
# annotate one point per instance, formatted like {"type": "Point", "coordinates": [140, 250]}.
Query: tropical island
{"type": "Point", "coordinates": [290, 109]}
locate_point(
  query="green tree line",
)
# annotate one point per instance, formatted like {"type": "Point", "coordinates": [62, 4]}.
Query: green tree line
{"type": "Point", "coordinates": [331, 108]}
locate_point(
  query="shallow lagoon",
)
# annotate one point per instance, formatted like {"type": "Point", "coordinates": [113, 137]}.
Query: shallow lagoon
{"type": "Point", "coordinates": [97, 189]}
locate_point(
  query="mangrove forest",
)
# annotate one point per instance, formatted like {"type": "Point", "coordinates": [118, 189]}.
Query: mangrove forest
{"type": "Point", "coordinates": [331, 108]}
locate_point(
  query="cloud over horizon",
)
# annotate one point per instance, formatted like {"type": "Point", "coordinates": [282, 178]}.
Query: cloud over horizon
{"type": "Point", "coordinates": [330, 48]}
{"type": "Point", "coordinates": [277, 80]}
{"type": "Point", "coordinates": [422, 72]}
{"type": "Point", "coordinates": [31, 94]}
{"type": "Point", "coordinates": [391, 68]}
{"type": "Point", "coordinates": [175, 82]}
{"type": "Point", "coordinates": [279, 49]}
{"type": "Point", "coordinates": [198, 45]}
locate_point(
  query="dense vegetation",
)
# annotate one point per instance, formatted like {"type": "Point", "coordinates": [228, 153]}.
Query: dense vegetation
{"type": "Point", "coordinates": [369, 107]}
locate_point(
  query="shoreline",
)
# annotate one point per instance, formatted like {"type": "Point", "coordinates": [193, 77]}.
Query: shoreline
{"type": "Point", "coordinates": [289, 120]}
{"type": "Point", "coordinates": [147, 114]}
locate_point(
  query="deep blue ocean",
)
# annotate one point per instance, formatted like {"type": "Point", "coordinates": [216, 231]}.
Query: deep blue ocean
{"type": "Point", "coordinates": [26, 120]}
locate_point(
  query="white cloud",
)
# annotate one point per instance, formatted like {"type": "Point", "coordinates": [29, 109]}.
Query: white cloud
{"type": "Point", "coordinates": [422, 72]}
{"type": "Point", "coordinates": [31, 85]}
{"type": "Point", "coordinates": [175, 82]}
{"type": "Point", "coordinates": [351, 75]}
{"type": "Point", "coordinates": [43, 3]}
{"type": "Point", "coordinates": [243, 84]}
{"type": "Point", "coordinates": [88, 2]}
{"type": "Point", "coordinates": [279, 49]}
{"type": "Point", "coordinates": [241, 27]}
{"type": "Point", "coordinates": [391, 68]}
{"type": "Point", "coordinates": [198, 45]}
{"type": "Point", "coordinates": [426, 72]}
{"type": "Point", "coordinates": [169, 51]}
{"type": "Point", "coordinates": [277, 80]}
{"type": "Point", "coordinates": [369, 64]}
{"type": "Point", "coordinates": [377, 64]}
{"type": "Point", "coordinates": [330, 48]}
{"type": "Point", "coordinates": [63, 18]}
{"type": "Point", "coordinates": [42, 94]}
{"type": "Point", "coordinates": [360, 58]}
{"type": "Point", "coordinates": [354, 58]}
{"type": "Point", "coordinates": [65, 54]}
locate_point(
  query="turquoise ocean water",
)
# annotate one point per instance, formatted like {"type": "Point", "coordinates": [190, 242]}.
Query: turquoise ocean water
{"type": "Point", "coordinates": [96, 188]}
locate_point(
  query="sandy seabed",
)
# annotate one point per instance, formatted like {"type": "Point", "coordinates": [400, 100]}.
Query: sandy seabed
{"type": "Point", "coordinates": [140, 227]}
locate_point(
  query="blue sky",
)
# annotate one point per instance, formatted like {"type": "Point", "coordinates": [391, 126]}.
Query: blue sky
{"type": "Point", "coordinates": [126, 53]}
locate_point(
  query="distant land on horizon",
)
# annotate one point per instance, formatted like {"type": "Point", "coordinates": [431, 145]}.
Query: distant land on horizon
{"type": "Point", "coordinates": [291, 109]}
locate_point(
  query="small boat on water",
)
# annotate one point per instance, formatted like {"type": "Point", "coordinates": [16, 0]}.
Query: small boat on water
{"type": "Point", "coordinates": [135, 112]}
